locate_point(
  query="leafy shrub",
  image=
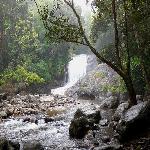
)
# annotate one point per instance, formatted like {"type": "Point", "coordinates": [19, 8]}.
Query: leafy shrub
{"type": "Point", "coordinates": [19, 74]}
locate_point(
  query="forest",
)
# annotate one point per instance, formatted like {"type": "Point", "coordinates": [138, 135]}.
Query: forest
{"type": "Point", "coordinates": [62, 58]}
{"type": "Point", "coordinates": [26, 56]}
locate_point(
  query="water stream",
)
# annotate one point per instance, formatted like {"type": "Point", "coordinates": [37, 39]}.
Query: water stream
{"type": "Point", "coordinates": [53, 135]}
{"type": "Point", "coordinates": [35, 109]}
{"type": "Point", "coordinates": [76, 71]}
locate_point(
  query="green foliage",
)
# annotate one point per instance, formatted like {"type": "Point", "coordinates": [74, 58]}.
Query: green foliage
{"type": "Point", "coordinates": [116, 87]}
{"type": "Point", "coordinates": [133, 40]}
{"type": "Point", "coordinates": [20, 74]}
{"type": "Point", "coordinates": [25, 45]}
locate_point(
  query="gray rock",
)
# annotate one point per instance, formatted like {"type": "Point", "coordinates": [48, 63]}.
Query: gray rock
{"type": "Point", "coordinates": [82, 123]}
{"type": "Point", "coordinates": [111, 102]}
{"type": "Point", "coordinates": [134, 121]}
{"type": "Point", "coordinates": [87, 96]}
{"type": "Point", "coordinates": [33, 146]}
{"type": "Point", "coordinates": [120, 111]}
{"type": "Point", "coordinates": [8, 145]}
{"type": "Point", "coordinates": [79, 113]}
{"type": "Point", "coordinates": [79, 127]}
{"type": "Point", "coordinates": [104, 122]}
{"type": "Point", "coordinates": [48, 119]}
{"type": "Point", "coordinates": [31, 119]}
{"type": "Point", "coordinates": [3, 114]}
{"type": "Point", "coordinates": [95, 83]}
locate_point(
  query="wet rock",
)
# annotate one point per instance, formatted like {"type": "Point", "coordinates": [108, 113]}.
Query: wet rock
{"type": "Point", "coordinates": [134, 121]}
{"type": "Point", "coordinates": [112, 125]}
{"type": "Point", "coordinates": [79, 127]}
{"type": "Point", "coordinates": [8, 145]}
{"type": "Point", "coordinates": [87, 96]}
{"type": "Point", "coordinates": [27, 119]}
{"type": "Point", "coordinates": [120, 111]}
{"type": "Point", "coordinates": [123, 98]}
{"type": "Point", "coordinates": [111, 102]}
{"type": "Point", "coordinates": [94, 82]}
{"type": "Point", "coordinates": [104, 122]}
{"type": "Point", "coordinates": [3, 115]}
{"type": "Point", "coordinates": [3, 96]}
{"type": "Point", "coordinates": [31, 98]}
{"type": "Point", "coordinates": [31, 119]}
{"type": "Point", "coordinates": [82, 123]}
{"type": "Point", "coordinates": [34, 120]}
{"type": "Point", "coordinates": [30, 111]}
{"type": "Point", "coordinates": [33, 146]}
{"type": "Point", "coordinates": [79, 113]}
{"type": "Point", "coordinates": [48, 119]}
{"type": "Point", "coordinates": [51, 112]}
{"type": "Point", "coordinates": [94, 117]}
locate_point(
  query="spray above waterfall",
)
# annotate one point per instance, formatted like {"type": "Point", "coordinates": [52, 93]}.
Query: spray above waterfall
{"type": "Point", "coordinates": [76, 70]}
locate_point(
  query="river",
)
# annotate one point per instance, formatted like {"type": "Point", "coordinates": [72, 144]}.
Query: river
{"type": "Point", "coordinates": [53, 135]}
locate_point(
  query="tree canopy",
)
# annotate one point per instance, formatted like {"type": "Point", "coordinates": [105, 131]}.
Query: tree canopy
{"type": "Point", "coordinates": [126, 20]}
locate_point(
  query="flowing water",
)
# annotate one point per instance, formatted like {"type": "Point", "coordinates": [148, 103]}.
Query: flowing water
{"type": "Point", "coordinates": [76, 71]}
{"type": "Point", "coordinates": [53, 135]}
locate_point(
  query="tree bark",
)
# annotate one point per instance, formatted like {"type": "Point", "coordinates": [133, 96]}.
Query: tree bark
{"type": "Point", "coordinates": [130, 89]}
{"type": "Point", "coordinates": [114, 11]}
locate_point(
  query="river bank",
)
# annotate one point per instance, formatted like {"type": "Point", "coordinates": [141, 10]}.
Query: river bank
{"type": "Point", "coordinates": [45, 120]}
{"type": "Point", "coordinates": [90, 115]}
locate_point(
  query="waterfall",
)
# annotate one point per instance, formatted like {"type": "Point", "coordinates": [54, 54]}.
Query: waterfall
{"type": "Point", "coordinates": [76, 71]}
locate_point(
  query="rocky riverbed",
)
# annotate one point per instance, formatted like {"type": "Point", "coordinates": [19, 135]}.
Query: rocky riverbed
{"type": "Point", "coordinates": [43, 119]}
{"type": "Point", "coordinates": [35, 121]}
{"type": "Point", "coordinates": [88, 117]}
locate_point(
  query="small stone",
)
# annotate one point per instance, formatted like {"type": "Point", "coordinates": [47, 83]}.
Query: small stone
{"type": "Point", "coordinates": [104, 122]}
{"type": "Point", "coordinates": [47, 119]}
{"type": "Point", "coordinates": [3, 114]}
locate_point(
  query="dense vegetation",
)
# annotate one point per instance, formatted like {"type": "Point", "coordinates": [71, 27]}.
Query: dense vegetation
{"type": "Point", "coordinates": [25, 54]}
{"type": "Point", "coordinates": [121, 26]}
{"type": "Point", "coordinates": [36, 38]}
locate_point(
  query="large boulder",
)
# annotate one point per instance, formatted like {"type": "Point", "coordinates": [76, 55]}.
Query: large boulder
{"type": "Point", "coordinates": [8, 145]}
{"type": "Point", "coordinates": [120, 111]}
{"type": "Point", "coordinates": [134, 121]}
{"type": "Point", "coordinates": [97, 82]}
{"type": "Point", "coordinates": [82, 123]}
{"type": "Point", "coordinates": [110, 102]}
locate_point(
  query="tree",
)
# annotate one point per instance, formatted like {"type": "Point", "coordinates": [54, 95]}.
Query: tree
{"type": "Point", "coordinates": [22, 43]}
{"type": "Point", "coordinates": [110, 12]}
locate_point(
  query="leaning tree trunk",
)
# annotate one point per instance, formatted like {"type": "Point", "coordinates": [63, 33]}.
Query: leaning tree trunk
{"type": "Point", "coordinates": [130, 89]}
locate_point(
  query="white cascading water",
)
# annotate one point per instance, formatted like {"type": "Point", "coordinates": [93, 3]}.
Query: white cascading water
{"type": "Point", "coordinates": [76, 70]}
